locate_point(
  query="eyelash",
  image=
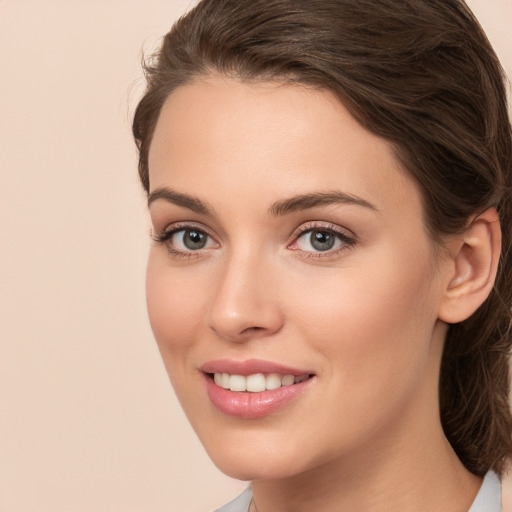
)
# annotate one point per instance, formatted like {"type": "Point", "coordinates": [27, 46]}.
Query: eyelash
{"type": "Point", "coordinates": [347, 239]}
{"type": "Point", "coordinates": [165, 239]}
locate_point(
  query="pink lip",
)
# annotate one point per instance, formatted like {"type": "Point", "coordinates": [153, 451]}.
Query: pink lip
{"type": "Point", "coordinates": [250, 405]}
{"type": "Point", "coordinates": [249, 367]}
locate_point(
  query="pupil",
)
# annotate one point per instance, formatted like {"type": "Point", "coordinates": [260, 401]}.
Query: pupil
{"type": "Point", "coordinates": [322, 240]}
{"type": "Point", "coordinates": [194, 239]}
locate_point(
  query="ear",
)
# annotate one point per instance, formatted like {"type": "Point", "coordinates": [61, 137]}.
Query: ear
{"type": "Point", "coordinates": [474, 255]}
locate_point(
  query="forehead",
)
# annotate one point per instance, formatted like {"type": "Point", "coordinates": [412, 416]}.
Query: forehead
{"type": "Point", "coordinates": [219, 136]}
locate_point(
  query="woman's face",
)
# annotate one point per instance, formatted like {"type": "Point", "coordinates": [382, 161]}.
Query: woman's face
{"type": "Point", "coordinates": [291, 257]}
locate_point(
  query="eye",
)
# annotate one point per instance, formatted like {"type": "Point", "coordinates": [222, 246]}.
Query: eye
{"type": "Point", "coordinates": [314, 239]}
{"type": "Point", "coordinates": [189, 240]}
{"type": "Point", "coordinates": [183, 241]}
{"type": "Point", "coordinates": [318, 240]}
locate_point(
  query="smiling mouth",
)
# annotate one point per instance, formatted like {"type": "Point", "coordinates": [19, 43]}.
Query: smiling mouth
{"type": "Point", "coordinates": [257, 382]}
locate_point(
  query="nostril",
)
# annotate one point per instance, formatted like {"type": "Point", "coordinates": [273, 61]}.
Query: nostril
{"type": "Point", "coordinates": [252, 330]}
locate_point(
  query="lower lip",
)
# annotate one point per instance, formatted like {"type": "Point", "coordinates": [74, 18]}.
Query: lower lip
{"type": "Point", "coordinates": [249, 405]}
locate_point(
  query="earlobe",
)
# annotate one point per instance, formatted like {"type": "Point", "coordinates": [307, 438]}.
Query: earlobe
{"type": "Point", "coordinates": [475, 259]}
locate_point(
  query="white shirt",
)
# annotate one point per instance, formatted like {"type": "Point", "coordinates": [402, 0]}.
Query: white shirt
{"type": "Point", "coordinates": [488, 498]}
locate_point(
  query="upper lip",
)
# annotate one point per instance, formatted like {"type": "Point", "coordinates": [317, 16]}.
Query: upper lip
{"type": "Point", "coordinates": [249, 367]}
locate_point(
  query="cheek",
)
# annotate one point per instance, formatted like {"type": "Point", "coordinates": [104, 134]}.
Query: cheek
{"type": "Point", "coordinates": [373, 318]}
{"type": "Point", "coordinates": [370, 331]}
{"type": "Point", "coordinates": [176, 308]}
{"type": "Point", "coordinates": [174, 305]}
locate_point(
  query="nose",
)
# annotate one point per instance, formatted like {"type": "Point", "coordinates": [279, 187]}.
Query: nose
{"type": "Point", "coordinates": [245, 303]}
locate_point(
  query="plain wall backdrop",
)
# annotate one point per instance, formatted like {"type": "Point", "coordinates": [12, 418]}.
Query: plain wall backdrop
{"type": "Point", "coordinates": [88, 421]}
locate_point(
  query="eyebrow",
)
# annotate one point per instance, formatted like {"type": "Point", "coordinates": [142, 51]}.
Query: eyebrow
{"type": "Point", "coordinates": [307, 201]}
{"type": "Point", "coordinates": [279, 208]}
{"type": "Point", "coordinates": [179, 199]}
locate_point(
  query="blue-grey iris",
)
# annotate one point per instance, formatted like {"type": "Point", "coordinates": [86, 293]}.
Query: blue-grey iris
{"type": "Point", "coordinates": [322, 240]}
{"type": "Point", "coordinates": [194, 240]}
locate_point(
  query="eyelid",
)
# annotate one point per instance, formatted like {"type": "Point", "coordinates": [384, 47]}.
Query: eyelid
{"type": "Point", "coordinates": [173, 227]}
{"type": "Point", "coordinates": [347, 237]}
{"type": "Point", "coordinates": [165, 235]}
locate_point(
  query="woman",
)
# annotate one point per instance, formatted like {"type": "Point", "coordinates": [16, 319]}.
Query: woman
{"type": "Point", "coordinates": [329, 185]}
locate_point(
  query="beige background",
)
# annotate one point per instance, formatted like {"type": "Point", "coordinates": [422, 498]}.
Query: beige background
{"type": "Point", "coordinates": [87, 418]}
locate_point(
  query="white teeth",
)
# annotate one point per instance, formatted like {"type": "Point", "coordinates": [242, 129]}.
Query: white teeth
{"type": "Point", "coordinates": [273, 381]}
{"type": "Point", "coordinates": [256, 383]}
{"type": "Point", "coordinates": [288, 380]}
{"type": "Point", "coordinates": [237, 383]}
{"type": "Point", "coordinates": [221, 379]}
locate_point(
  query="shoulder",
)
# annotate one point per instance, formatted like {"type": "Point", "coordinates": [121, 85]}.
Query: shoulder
{"type": "Point", "coordinates": [239, 504]}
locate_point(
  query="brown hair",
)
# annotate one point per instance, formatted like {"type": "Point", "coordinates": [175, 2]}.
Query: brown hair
{"type": "Point", "coordinates": [421, 74]}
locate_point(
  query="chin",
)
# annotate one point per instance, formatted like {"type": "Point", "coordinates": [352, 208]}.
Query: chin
{"type": "Point", "coordinates": [248, 470]}
{"type": "Point", "coordinates": [257, 461]}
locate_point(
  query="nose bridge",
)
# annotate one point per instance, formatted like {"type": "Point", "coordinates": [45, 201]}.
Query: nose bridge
{"type": "Point", "coordinates": [245, 304]}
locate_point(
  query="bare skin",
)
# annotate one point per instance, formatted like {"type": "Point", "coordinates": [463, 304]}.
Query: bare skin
{"type": "Point", "coordinates": [366, 317]}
